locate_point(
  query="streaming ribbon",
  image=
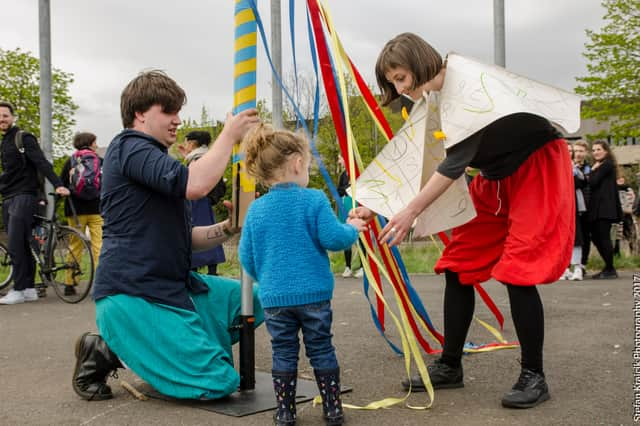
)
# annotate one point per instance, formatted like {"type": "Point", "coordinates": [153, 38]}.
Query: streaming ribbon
{"type": "Point", "coordinates": [413, 315]}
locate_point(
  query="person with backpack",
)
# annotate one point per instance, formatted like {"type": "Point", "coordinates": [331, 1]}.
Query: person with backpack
{"type": "Point", "coordinates": [22, 160]}
{"type": "Point", "coordinates": [196, 144]}
{"type": "Point", "coordinates": [82, 174]}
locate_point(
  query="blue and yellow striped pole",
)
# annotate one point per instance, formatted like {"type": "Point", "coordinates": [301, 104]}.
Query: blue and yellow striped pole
{"type": "Point", "coordinates": [244, 187]}
{"type": "Point", "coordinates": [244, 97]}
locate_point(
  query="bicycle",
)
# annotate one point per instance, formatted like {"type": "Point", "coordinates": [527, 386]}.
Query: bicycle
{"type": "Point", "coordinates": [64, 262]}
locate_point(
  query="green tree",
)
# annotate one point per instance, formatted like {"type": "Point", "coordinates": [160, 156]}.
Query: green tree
{"type": "Point", "coordinates": [20, 85]}
{"type": "Point", "coordinates": [612, 86]}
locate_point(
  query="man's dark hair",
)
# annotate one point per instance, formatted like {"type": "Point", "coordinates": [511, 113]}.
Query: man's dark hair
{"type": "Point", "coordinates": [9, 106]}
{"type": "Point", "coordinates": [201, 137]}
{"type": "Point", "coordinates": [83, 140]}
{"type": "Point", "coordinates": [148, 89]}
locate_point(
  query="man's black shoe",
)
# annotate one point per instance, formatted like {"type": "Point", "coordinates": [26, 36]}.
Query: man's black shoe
{"type": "Point", "coordinates": [530, 390]}
{"type": "Point", "coordinates": [607, 274]}
{"type": "Point", "coordinates": [94, 363]}
{"type": "Point", "coordinates": [69, 290]}
{"type": "Point", "coordinates": [441, 375]}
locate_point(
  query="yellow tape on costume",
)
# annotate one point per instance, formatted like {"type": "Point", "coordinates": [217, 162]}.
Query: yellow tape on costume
{"type": "Point", "coordinates": [439, 135]}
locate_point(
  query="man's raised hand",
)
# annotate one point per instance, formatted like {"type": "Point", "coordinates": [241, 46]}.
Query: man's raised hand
{"type": "Point", "coordinates": [236, 126]}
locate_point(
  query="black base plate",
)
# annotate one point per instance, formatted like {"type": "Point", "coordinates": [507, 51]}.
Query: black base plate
{"type": "Point", "coordinates": [244, 403]}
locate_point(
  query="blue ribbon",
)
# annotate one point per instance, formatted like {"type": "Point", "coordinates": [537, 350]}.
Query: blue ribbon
{"type": "Point", "coordinates": [332, 188]}
{"type": "Point", "coordinates": [413, 296]}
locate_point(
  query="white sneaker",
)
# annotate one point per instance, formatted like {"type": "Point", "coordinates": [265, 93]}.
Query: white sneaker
{"type": "Point", "coordinates": [30, 294]}
{"type": "Point", "coordinates": [577, 274]}
{"type": "Point", "coordinates": [347, 272]}
{"type": "Point", "coordinates": [12, 298]}
{"type": "Point", "coordinates": [359, 273]}
{"type": "Point", "coordinates": [566, 275]}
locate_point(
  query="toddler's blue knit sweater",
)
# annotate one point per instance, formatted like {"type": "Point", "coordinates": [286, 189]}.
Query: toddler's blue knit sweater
{"type": "Point", "coordinates": [284, 243]}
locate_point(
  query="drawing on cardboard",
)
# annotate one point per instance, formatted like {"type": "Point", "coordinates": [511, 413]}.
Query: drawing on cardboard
{"type": "Point", "coordinates": [396, 175]}
{"type": "Point", "coordinates": [473, 96]}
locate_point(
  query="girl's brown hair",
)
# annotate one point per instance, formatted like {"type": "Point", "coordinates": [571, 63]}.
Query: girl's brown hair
{"type": "Point", "coordinates": [268, 150]}
{"type": "Point", "coordinates": [411, 52]}
{"type": "Point", "coordinates": [610, 156]}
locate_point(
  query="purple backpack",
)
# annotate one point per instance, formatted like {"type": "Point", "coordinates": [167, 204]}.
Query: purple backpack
{"type": "Point", "coordinates": [86, 174]}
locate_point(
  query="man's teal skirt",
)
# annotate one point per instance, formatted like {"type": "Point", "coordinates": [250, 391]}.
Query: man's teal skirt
{"type": "Point", "coordinates": [182, 354]}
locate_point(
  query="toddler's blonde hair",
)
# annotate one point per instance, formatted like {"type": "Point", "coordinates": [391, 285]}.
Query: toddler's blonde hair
{"type": "Point", "coordinates": [268, 150]}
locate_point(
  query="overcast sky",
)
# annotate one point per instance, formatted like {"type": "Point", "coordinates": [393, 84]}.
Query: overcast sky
{"type": "Point", "coordinates": [104, 44]}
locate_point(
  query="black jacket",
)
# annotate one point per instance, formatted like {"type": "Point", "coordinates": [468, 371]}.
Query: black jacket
{"type": "Point", "coordinates": [604, 203]}
{"type": "Point", "coordinates": [343, 183]}
{"type": "Point", "coordinates": [20, 170]}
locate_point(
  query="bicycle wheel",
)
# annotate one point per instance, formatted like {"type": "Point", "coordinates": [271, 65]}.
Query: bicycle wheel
{"type": "Point", "coordinates": [6, 268]}
{"type": "Point", "coordinates": [70, 265]}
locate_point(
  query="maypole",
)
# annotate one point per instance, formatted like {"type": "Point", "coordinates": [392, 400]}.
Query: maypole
{"type": "Point", "coordinates": [243, 186]}
{"type": "Point", "coordinates": [256, 388]}
{"type": "Point", "coordinates": [335, 66]}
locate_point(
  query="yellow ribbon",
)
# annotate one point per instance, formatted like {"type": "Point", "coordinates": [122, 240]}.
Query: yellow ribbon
{"type": "Point", "coordinates": [409, 344]}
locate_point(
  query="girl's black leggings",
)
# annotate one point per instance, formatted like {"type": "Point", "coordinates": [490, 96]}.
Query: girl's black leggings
{"type": "Point", "coordinates": [526, 311]}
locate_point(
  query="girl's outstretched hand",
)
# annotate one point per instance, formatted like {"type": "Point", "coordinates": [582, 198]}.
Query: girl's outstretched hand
{"type": "Point", "coordinates": [398, 227]}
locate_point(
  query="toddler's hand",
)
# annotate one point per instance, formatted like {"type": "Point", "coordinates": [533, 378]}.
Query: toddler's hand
{"type": "Point", "coordinates": [361, 212]}
{"type": "Point", "coordinates": [357, 223]}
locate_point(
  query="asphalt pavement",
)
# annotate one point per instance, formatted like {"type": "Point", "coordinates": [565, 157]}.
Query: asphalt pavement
{"type": "Point", "coordinates": [588, 363]}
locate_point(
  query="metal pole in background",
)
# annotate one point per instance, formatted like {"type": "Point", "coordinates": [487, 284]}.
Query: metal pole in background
{"type": "Point", "coordinates": [276, 51]}
{"type": "Point", "coordinates": [498, 33]}
{"type": "Point", "coordinates": [44, 10]}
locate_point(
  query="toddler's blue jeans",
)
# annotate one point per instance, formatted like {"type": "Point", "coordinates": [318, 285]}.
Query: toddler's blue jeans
{"type": "Point", "coordinates": [284, 323]}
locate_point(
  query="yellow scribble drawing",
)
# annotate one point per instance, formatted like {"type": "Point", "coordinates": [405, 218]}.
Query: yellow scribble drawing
{"type": "Point", "coordinates": [488, 96]}
{"type": "Point", "coordinates": [373, 185]}
{"type": "Point", "coordinates": [386, 172]}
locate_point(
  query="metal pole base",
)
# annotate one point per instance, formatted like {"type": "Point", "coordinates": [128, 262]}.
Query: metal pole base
{"type": "Point", "coordinates": [247, 353]}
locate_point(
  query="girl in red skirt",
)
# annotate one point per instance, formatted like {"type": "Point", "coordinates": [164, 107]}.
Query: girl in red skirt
{"type": "Point", "coordinates": [523, 232]}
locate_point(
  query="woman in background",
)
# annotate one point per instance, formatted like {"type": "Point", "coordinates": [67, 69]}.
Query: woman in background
{"type": "Point", "coordinates": [604, 205]}
{"type": "Point", "coordinates": [195, 146]}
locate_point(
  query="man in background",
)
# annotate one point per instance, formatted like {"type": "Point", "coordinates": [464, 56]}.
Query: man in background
{"type": "Point", "coordinates": [21, 159]}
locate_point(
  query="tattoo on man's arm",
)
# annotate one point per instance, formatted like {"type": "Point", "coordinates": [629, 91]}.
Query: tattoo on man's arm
{"type": "Point", "coordinates": [216, 231]}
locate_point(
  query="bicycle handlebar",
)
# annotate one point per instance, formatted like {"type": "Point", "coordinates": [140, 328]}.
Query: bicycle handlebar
{"type": "Point", "coordinates": [57, 197]}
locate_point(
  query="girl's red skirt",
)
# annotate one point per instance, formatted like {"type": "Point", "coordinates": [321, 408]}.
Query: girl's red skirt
{"type": "Point", "coordinates": [524, 231]}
